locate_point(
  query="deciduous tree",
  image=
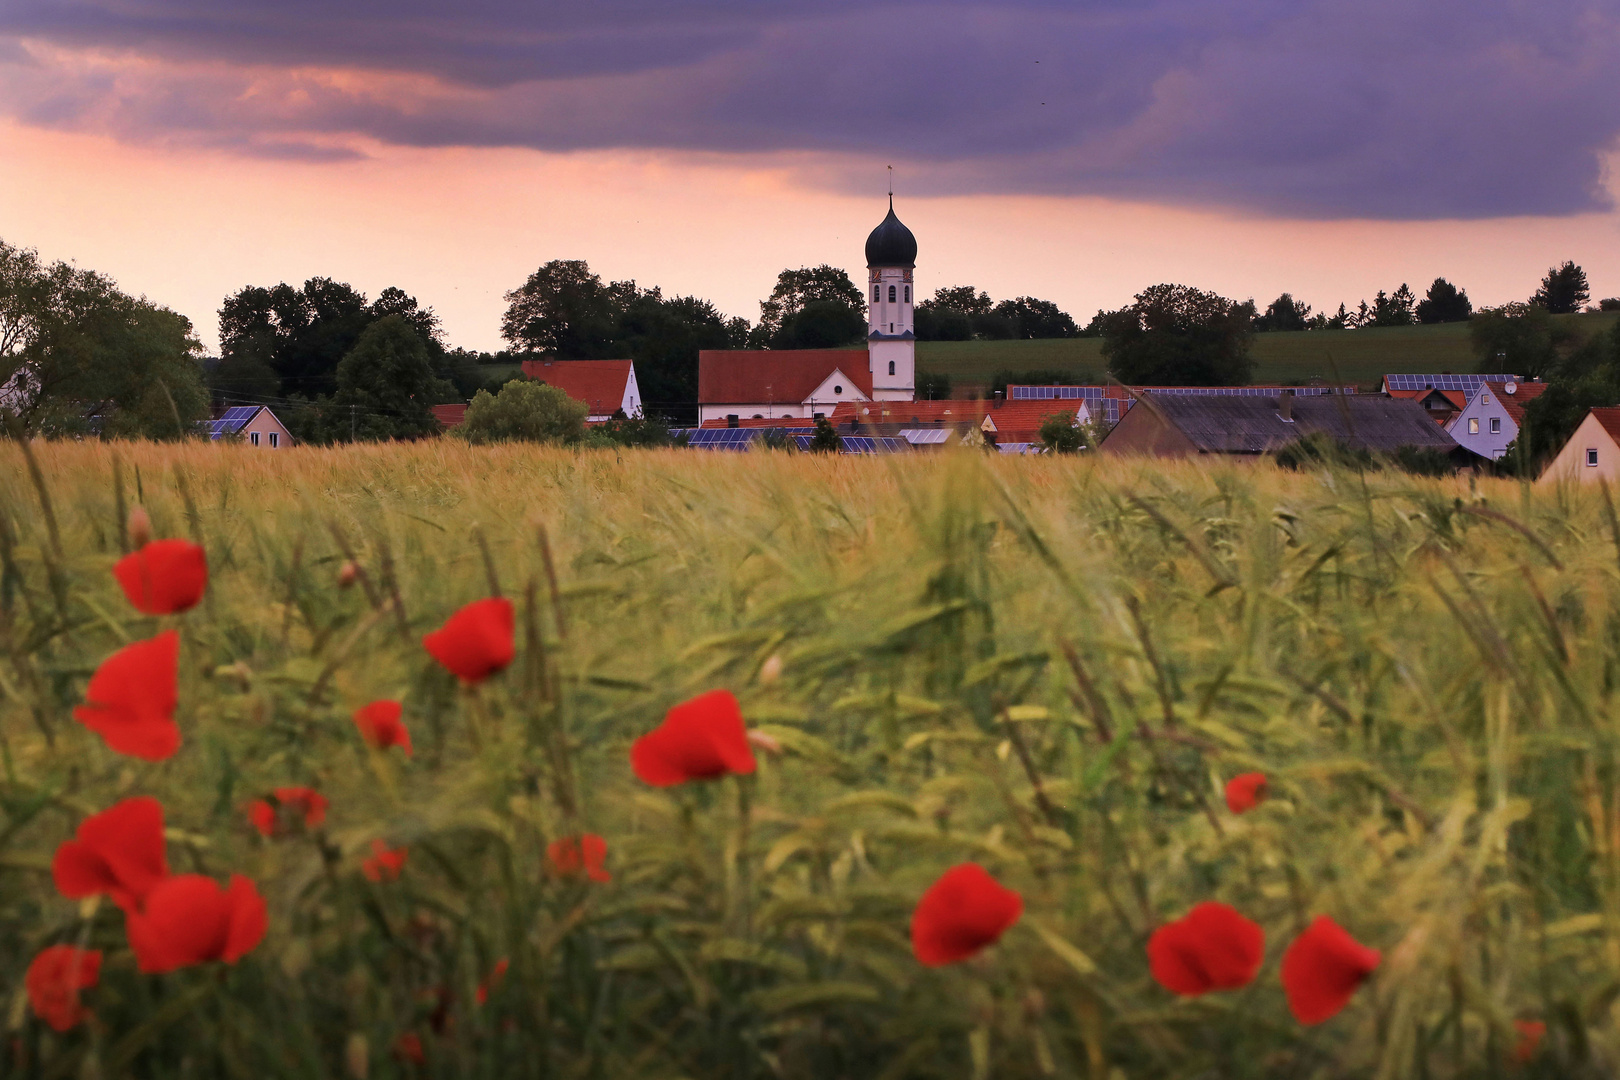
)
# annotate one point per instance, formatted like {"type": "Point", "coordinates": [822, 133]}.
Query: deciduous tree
{"type": "Point", "coordinates": [524, 411]}
{"type": "Point", "coordinates": [1176, 334]}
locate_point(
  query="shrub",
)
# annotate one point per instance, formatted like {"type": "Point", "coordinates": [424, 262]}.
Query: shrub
{"type": "Point", "coordinates": [524, 411]}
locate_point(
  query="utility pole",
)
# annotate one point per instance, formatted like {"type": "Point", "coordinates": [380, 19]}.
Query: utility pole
{"type": "Point", "coordinates": [351, 423]}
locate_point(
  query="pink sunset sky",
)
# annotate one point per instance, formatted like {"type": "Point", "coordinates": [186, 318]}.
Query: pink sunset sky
{"type": "Point", "coordinates": [1074, 152]}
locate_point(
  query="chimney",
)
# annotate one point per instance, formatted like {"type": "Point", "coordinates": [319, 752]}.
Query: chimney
{"type": "Point", "coordinates": [998, 398]}
{"type": "Point", "coordinates": [1285, 406]}
{"type": "Point", "coordinates": [731, 420]}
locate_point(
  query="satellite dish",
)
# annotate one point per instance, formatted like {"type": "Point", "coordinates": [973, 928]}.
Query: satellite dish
{"type": "Point", "coordinates": [1510, 387]}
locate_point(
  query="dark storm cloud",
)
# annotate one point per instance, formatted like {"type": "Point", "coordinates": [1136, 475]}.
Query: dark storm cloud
{"type": "Point", "coordinates": [1443, 108]}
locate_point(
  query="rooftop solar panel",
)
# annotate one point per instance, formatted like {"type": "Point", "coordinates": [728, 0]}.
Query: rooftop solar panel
{"type": "Point", "coordinates": [1468, 382]}
{"type": "Point", "coordinates": [242, 413]}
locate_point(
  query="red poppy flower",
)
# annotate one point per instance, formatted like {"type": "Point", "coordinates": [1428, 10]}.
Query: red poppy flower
{"type": "Point", "coordinates": [1322, 970]}
{"type": "Point", "coordinates": [131, 699]}
{"type": "Point", "coordinates": [189, 919]}
{"type": "Point", "coordinates": [384, 864]}
{"type": "Point", "coordinates": [119, 851]}
{"type": "Point", "coordinates": [961, 913]}
{"type": "Point", "coordinates": [1212, 947]}
{"type": "Point", "coordinates": [54, 980]}
{"type": "Point", "coordinates": [408, 1047]}
{"type": "Point", "coordinates": [698, 740]}
{"type": "Point", "coordinates": [303, 803]}
{"type": "Point", "coordinates": [1531, 1032]}
{"type": "Point", "coordinates": [164, 576]}
{"type": "Point", "coordinates": [574, 854]}
{"type": "Point", "coordinates": [476, 641]}
{"type": "Point", "coordinates": [1246, 792]}
{"type": "Point", "coordinates": [493, 982]}
{"type": "Point", "coordinates": [380, 725]}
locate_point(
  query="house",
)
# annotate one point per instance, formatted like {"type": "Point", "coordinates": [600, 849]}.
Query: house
{"type": "Point", "coordinates": [1443, 395]}
{"type": "Point", "coordinates": [997, 420]}
{"type": "Point", "coordinates": [1592, 453]}
{"type": "Point", "coordinates": [1183, 425]}
{"type": "Point", "coordinates": [1488, 421]}
{"type": "Point", "coordinates": [606, 386]}
{"type": "Point", "coordinates": [254, 424]}
{"type": "Point", "coordinates": [765, 384]}
{"type": "Point", "coordinates": [770, 384]}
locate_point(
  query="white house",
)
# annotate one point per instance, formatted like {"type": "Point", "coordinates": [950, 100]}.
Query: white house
{"type": "Point", "coordinates": [1488, 422]}
{"type": "Point", "coordinates": [1592, 453]}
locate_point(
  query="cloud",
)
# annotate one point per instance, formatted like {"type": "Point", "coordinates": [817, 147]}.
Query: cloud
{"type": "Point", "coordinates": [1302, 108]}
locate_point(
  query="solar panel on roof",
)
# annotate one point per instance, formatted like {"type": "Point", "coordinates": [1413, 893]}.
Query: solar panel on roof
{"type": "Point", "coordinates": [240, 412]}
{"type": "Point", "coordinates": [1467, 383]}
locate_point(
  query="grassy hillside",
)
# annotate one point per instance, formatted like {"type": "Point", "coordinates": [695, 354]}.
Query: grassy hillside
{"type": "Point", "coordinates": [1360, 356]}
{"type": "Point", "coordinates": [1048, 667]}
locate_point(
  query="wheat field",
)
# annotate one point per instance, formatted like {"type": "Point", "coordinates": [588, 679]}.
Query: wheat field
{"type": "Point", "coordinates": [1046, 666]}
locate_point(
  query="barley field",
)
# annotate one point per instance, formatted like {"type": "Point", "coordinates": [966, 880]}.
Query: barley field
{"type": "Point", "coordinates": [1050, 668]}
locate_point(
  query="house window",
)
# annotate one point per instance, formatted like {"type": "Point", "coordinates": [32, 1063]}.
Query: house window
{"type": "Point", "coordinates": [1496, 425]}
{"type": "Point", "coordinates": [275, 439]}
{"type": "Point", "coordinates": [1473, 425]}
{"type": "Point", "coordinates": [1591, 456]}
{"type": "Point", "coordinates": [253, 437]}
{"type": "Point", "coordinates": [891, 294]}
{"type": "Point", "coordinates": [891, 367]}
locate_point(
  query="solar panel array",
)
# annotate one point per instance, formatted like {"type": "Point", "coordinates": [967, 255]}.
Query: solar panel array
{"type": "Point", "coordinates": [1099, 393]}
{"type": "Point", "coordinates": [1018, 448]}
{"type": "Point", "coordinates": [926, 436]}
{"type": "Point", "coordinates": [861, 444]}
{"type": "Point", "coordinates": [231, 421]}
{"type": "Point", "coordinates": [1050, 393]}
{"type": "Point", "coordinates": [1466, 383]}
{"type": "Point", "coordinates": [736, 439]}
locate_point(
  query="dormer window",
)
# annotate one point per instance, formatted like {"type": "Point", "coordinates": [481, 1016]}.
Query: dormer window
{"type": "Point", "coordinates": [891, 294]}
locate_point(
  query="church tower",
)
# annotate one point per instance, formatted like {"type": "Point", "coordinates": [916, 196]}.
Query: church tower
{"type": "Point", "coordinates": [891, 339]}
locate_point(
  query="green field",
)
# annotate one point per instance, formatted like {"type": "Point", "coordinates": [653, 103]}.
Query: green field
{"type": "Point", "coordinates": [1359, 356]}
{"type": "Point", "coordinates": [1048, 667]}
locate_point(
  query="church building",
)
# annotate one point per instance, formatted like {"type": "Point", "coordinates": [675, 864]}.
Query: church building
{"type": "Point", "coordinates": [766, 384]}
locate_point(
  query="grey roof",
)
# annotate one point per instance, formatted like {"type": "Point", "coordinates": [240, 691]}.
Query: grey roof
{"type": "Point", "coordinates": [233, 420]}
{"type": "Point", "coordinates": [1254, 425]}
{"type": "Point", "coordinates": [891, 243]}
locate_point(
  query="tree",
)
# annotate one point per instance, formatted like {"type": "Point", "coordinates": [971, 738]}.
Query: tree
{"type": "Point", "coordinates": [933, 386]}
{"type": "Point", "coordinates": [1393, 310]}
{"type": "Point", "coordinates": [621, 430]}
{"type": "Point", "coordinates": [797, 289]}
{"type": "Point", "coordinates": [1519, 339]}
{"type": "Point", "coordinates": [664, 336]}
{"type": "Point", "coordinates": [1444, 303]}
{"type": "Point", "coordinates": [963, 298]}
{"type": "Point", "coordinates": [385, 385]}
{"type": "Point", "coordinates": [821, 324]}
{"type": "Point", "coordinates": [825, 440]}
{"type": "Point", "coordinates": [1061, 435]}
{"type": "Point", "coordinates": [1175, 334]}
{"type": "Point", "coordinates": [565, 310]}
{"type": "Point", "coordinates": [1033, 319]}
{"type": "Point", "coordinates": [1564, 290]}
{"type": "Point", "coordinates": [76, 354]}
{"type": "Point", "coordinates": [523, 411]}
{"type": "Point", "coordinates": [1284, 313]}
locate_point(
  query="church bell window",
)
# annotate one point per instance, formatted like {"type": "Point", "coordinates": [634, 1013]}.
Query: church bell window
{"type": "Point", "coordinates": [891, 367]}
{"type": "Point", "coordinates": [875, 293]}
{"type": "Point", "coordinates": [908, 294]}
{"type": "Point", "coordinates": [891, 294]}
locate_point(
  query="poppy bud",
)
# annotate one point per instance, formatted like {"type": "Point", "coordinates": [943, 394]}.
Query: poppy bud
{"type": "Point", "coordinates": [770, 670]}
{"type": "Point", "coordinates": [347, 573]}
{"type": "Point", "coordinates": [140, 526]}
{"type": "Point", "coordinates": [765, 743]}
{"type": "Point", "coordinates": [54, 980]}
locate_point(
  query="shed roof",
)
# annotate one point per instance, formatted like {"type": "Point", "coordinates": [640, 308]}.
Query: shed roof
{"type": "Point", "coordinates": [1254, 425]}
{"type": "Point", "coordinates": [449, 416]}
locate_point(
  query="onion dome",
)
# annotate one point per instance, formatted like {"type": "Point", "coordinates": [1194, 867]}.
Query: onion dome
{"type": "Point", "coordinates": [891, 243]}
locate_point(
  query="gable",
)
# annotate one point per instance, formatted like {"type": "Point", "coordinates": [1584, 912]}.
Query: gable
{"type": "Point", "coordinates": [600, 384]}
{"type": "Point", "coordinates": [836, 387]}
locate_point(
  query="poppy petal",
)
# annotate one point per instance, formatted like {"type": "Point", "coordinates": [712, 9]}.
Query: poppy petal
{"type": "Point", "coordinates": [1322, 970]}
{"type": "Point", "coordinates": [699, 739]}
{"type": "Point", "coordinates": [248, 919]}
{"type": "Point", "coordinates": [962, 913]}
{"type": "Point", "coordinates": [476, 641]}
{"type": "Point", "coordinates": [164, 576]}
{"type": "Point", "coordinates": [381, 726]}
{"type": "Point", "coordinates": [1211, 948]}
{"type": "Point", "coordinates": [54, 980]}
{"type": "Point", "coordinates": [132, 696]}
{"type": "Point", "coordinates": [120, 851]}
{"type": "Point", "coordinates": [184, 921]}
{"type": "Point", "coordinates": [1245, 792]}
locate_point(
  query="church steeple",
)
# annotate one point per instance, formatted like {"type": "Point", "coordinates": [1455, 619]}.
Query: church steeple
{"type": "Point", "coordinates": [891, 261]}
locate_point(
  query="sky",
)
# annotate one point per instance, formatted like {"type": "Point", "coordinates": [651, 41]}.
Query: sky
{"type": "Point", "coordinates": [1073, 150]}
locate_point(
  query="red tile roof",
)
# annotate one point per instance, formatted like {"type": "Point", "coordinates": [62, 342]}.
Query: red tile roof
{"type": "Point", "coordinates": [598, 383]}
{"type": "Point", "coordinates": [1523, 394]}
{"type": "Point", "coordinates": [780, 421]}
{"type": "Point", "coordinates": [748, 376]}
{"type": "Point", "coordinates": [1610, 419]}
{"type": "Point", "coordinates": [449, 416]}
